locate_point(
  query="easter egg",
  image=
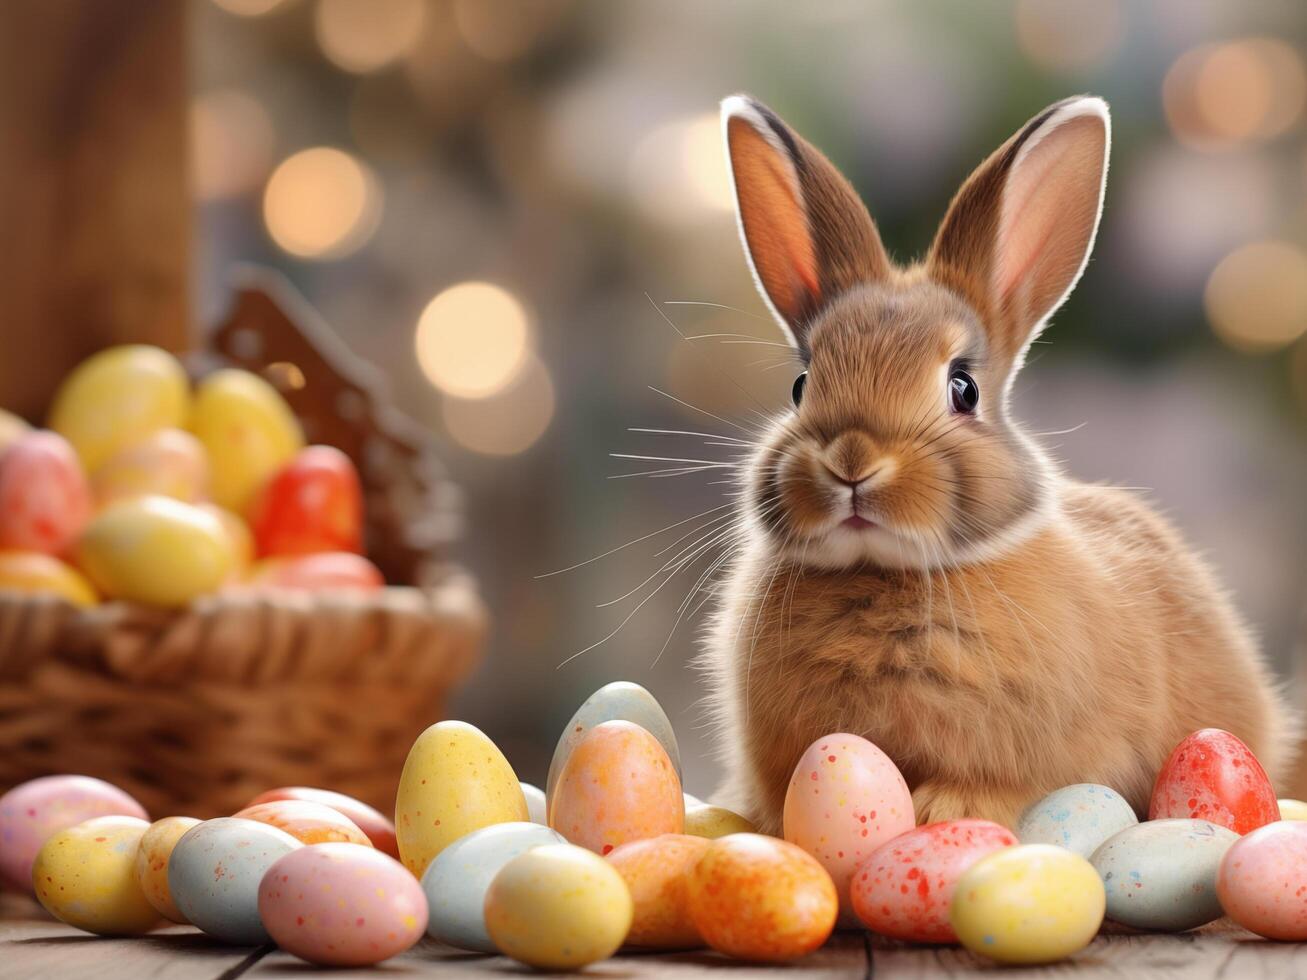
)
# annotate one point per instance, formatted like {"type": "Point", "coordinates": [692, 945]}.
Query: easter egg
{"type": "Point", "coordinates": [1292, 809]}
{"type": "Point", "coordinates": [558, 907]}
{"type": "Point", "coordinates": [329, 571]}
{"type": "Point", "coordinates": [307, 822]}
{"type": "Point", "coordinates": [1213, 776]}
{"type": "Point", "coordinates": [85, 875]}
{"type": "Point", "coordinates": [170, 463]}
{"type": "Point", "coordinates": [34, 810]}
{"type": "Point", "coordinates": [618, 785]}
{"type": "Point", "coordinates": [35, 573]}
{"type": "Point", "coordinates": [1078, 817]}
{"type": "Point", "coordinates": [760, 898]}
{"type": "Point", "coordinates": [118, 397]}
{"type": "Point", "coordinates": [341, 905]}
{"type": "Point", "coordinates": [455, 781]}
{"type": "Point", "coordinates": [905, 888]}
{"type": "Point", "coordinates": [152, 863]}
{"type": "Point", "coordinates": [239, 537]}
{"type": "Point", "coordinates": [706, 820]}
{"type": "Point", "coordinates": [378, 828]}
{"type": "Point", "coordinates": [1161, 874]}
{"type": "Point", "coordinates": [845, 799]}
{"type": "Point", "coordinates": [11, 429]}
{"type": "Point", "coordinates": [248, 430]}
{"type": "Point", "coordinates": [456, 882]}
{"type": "Point", "coordinates": [535, 803]}
{"type": "Point", "coordinates": [215, 871]}
{"type": "Point", "coordinates": [155, 550]}
{"type": "Point", "coordinates": [657, 872]}
{"type": "Point", "coordinates": [45, 500]}
{"type": "Point", "coordinates": [1262, 881]}
{"type": "Point", "coordinates": [1033, 903]}
{"type": "Point", "coordinates": [618, 701]}
{"type": "Point", "coordinates": [314, 503]}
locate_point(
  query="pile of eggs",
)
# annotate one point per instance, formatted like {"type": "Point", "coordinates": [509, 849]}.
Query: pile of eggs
{"type": "Point", "coordinates": [613, 854]}
{"type": "Point", "coordinates": [146, 490]}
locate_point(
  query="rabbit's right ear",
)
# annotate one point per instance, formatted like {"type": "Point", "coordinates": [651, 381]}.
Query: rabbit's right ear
{"type": "Point", "coordinates": [806, 233]}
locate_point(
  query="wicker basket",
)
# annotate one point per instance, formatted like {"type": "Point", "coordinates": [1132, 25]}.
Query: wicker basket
{"type": "Point", "coordinates": [196, 710]}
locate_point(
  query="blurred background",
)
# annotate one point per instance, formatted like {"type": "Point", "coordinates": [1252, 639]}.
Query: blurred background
{"type": "Point", "coordinates": [518, 211]}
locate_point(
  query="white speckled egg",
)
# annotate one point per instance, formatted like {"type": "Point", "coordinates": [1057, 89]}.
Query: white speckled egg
{"type": "Point", "coordinates": [214, 874]}
{"type": "Point", "coordinates": [1162, 874]}
{"type": "Point", "coordinates": [457, 880]}
{"type": "Point", "coordinates": [536, 810]}
{"type": "Point", "coordinates": [1078, 817]}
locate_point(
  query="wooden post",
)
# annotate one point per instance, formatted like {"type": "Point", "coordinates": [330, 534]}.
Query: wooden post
{"type": "Point", "coordinates": [94, 203]}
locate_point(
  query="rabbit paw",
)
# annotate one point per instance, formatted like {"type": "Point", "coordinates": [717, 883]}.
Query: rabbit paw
{"type": "Point", "coordinates": [936, 800]}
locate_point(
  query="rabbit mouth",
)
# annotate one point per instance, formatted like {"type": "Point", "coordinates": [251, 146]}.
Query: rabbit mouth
{"type": "Point", "coordinates": [856, 522]}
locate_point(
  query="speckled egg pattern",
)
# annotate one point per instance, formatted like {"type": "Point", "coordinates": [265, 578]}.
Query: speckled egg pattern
{"type": "Point", "coordinates": [1162, 874]}
{"type": "Point", "coordinates": [905, 888]}
{"type": "Point", "coordinates": [1078, 817]}
{"type": "Point", "coordinates": [759, 898]}
{"type": "Point", "coordinates": [152, 863]}
{"type": "Point", "coordinates": [214, 875]}
{"type": "Point", "coordinates": [618, 785]}
{"type": "Point", "coordinates": [1262, 881]}
{"type": "Point", "coordinates": [86, 876]}
{"type": "Point", "coordinates": [1213, 776]}
{"type": "Point", "coordinates": [307, 822]}
{"type": "Point", "coordinates": [342, 905]}
{"type": "Point", "coordinates": [456, 882]}
{"type": "Point", "coordinates": [845, 799]}
{"type": "Point", "coordinates": [657, 871]}
{"type": "Point", "coordinates": [375, 825]}
{"type": "Point", "coordinates": [32, 811]}
{"type": "Point", "coordinates": [455, 781]}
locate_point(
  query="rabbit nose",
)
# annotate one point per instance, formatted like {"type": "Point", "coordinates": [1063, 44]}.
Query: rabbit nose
{"type": "Point", "coordinates": [855, 480]}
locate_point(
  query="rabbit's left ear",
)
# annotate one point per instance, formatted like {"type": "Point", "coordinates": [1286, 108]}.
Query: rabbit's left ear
{"type": "Point", "coordinates": [1018, 234]}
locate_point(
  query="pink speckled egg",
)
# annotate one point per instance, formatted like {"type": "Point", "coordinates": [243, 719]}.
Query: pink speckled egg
{"type": "Point", "coordinates": [45, 500]}
{"type": "Point", "coordinates": [618, 785]}
{"type": "Point", "coordinates": [342, 905]}
{"type": "Point", "coordinates": [1262, 881]}
{"type": "Point", "coordinates": [905, 888]}
{"type": "Point", "coordinates": [32, 811]}
{"type": "Point", "coordinates": [845, 799]}
{"type": "Point", "coordinates": [1213, 776]}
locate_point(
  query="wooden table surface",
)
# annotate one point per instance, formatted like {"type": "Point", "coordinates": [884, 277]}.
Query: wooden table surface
{"type": "Point", "coordinates": [34, 947]}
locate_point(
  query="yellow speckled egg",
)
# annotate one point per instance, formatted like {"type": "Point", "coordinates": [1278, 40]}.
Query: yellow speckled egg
{"type": "Point", "coordinates": [618, 785]}
{"type": "Point", "coordinates": [558, 907]}
{"type": "Point", "coordinates": [455, 781]}
{"type": "Point", "coordinates": [170, 462]}
{"type": "Point", "coordinates": [1034, 903]}
{"type": "Point", "coordinates": [152, 863]}
{"type": "Point", "coordinates": [155, 550]}
{"type": "Point", "coordinates": [85, 875]}
{"type": "Point", "coordinates": [1292, 809]}
{"type": "Point", "coordinates": [706, 820]}
{"type": "Point", "coordinates": [249, 431]}
{"type": "Point", "coordinates": [118, 397]}
{"type": "Point", "coordinates": [35, 572]}
{"type": "Point", "coordinates": [11, 428]}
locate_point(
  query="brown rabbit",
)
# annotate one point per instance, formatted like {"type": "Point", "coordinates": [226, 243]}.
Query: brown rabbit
{"type": "Point", "coordinates": [917, 570]}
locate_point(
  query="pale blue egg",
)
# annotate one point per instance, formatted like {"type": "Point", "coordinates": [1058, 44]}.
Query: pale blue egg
{"type": "Point", "coordinates": [1162, 874]}
{"type": "Point", "coordinates": [214, 874]}
{"type": "Point", "coordinates": [457, 880]}
{"type": "Point", "coordinates": [1078, 817]}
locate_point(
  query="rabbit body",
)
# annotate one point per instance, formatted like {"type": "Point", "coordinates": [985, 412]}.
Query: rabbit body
{"type": "Point", "coordinates": [913, 568]}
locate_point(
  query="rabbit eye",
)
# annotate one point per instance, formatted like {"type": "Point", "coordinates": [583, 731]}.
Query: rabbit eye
{"type": "Point", "coordinates": [800, 383]}
{"type": "Point", "coordinates": [963, 395]}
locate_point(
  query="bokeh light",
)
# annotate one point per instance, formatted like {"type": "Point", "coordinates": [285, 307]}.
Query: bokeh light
{"type": "Point", "coordinates": [364, 35]}
{"type": "Point", "coordinates": [472, 340]}
{"type": "Point", "coordinates": [248, 8]}
{"type": "Point", "coordinates": [1256, 298]}
{"type": "Point", "coordinates": [322, 203]}
{"type": "Point", "coordinates": [678, 171]}
{"type": "Point", "coordinates": [1220, 95]}
{"type": "Point", "coordinates": [508, 423]}
{"type": "Point", "coordinates": [232, 140]}
{"type": "Point", "coordinates": [1069, 36]}
{"type": "Point", "coordinates": [499, 30]}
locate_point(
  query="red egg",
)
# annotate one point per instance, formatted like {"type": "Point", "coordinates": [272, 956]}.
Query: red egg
{"type": "Point", "coordinates": [45, 499]}
{"type": "Point", "coordinates": [904, 889]}
{"type": "Point", "coordinates": [313, 504]}
{"type": "Point", "coordinates": [1213, 776]}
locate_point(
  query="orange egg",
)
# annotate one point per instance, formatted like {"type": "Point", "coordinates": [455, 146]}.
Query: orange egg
{"type": "Point", "coordinates": [618, 785]}
{"type": "Point", "coordinates": [378, 828]}
{"type": "Point", "coordinates": [313, 504]}
{"type": "Point", "coordinates": [45, 500]}
{"type": "Point", "coordinates": [308, 823]}
{"type": "Point", "coordinates": [760, 898]}
{"type": "Point", "coordinates": [329, 571]}
{"type": "Point", "coordinates": [657, 871]}
{"type": "Point", "coordinates": [170, 463]}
